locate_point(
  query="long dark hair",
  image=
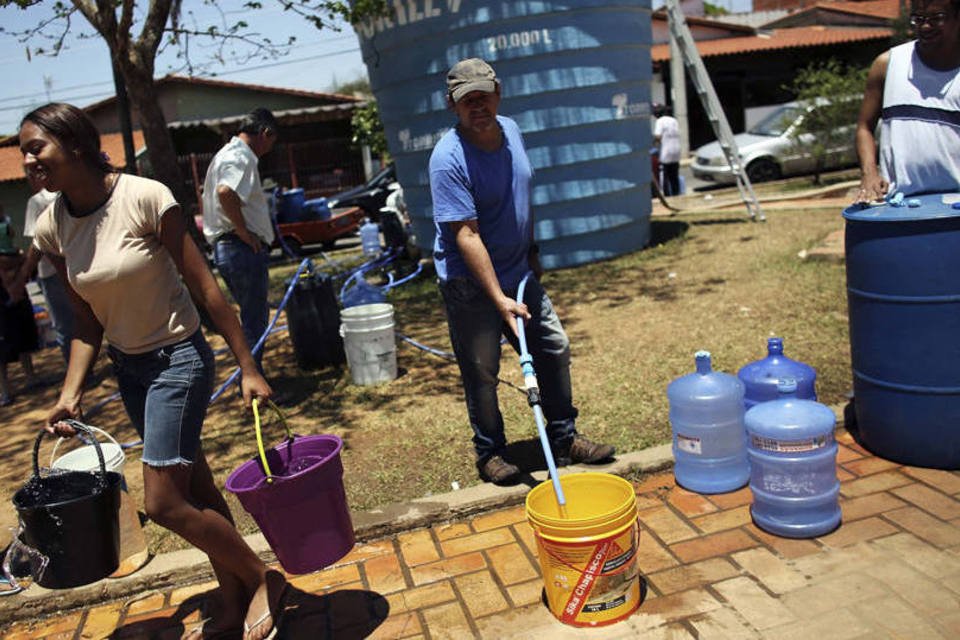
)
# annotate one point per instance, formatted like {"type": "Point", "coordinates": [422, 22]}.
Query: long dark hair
{"type": "Point", "coordinates": [74, 130]}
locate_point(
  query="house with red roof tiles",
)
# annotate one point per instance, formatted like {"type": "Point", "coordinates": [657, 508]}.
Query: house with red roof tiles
{"type": "Point", "coordinates": [314, 151]}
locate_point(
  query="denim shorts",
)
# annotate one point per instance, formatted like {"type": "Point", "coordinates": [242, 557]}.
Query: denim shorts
{"type": "Point", "coordinates": [166, 392]}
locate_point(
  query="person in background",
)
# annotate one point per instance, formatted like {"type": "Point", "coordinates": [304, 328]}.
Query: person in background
{"type": "Point", "coordinates": [480, 183]}
{"type": "Point", "coordinates": [915, 88]}
{"type": "Point", "coordinates": [237, 223]}
{"type": "Point", "coordinates": [18, 327]}
{"type": "Point", "coordinates": [666, 135]}
{"type": "Point", "coordinates": [120, 244]}
{"type": "Point", "coordinates": [58, 304]}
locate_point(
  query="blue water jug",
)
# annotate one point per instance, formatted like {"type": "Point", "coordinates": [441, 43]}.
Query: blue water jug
{"type": "Point", "coordinates": [793, 466]}
{"type": "Point", "coordinates": [709, 440]}
{"type": "Point", "coordinates": [760, 378]}
{"type": "Point", "coordinates": [370, 238]}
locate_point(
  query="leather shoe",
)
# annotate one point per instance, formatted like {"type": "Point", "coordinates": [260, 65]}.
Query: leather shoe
{"type": "Point", "coordinates": [499, 471]}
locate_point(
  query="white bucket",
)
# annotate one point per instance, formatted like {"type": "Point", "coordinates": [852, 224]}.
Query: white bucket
{"type": "Point", "coordinates": [367, 332]}
{"type": "Point", "coordinates": [133, 544]}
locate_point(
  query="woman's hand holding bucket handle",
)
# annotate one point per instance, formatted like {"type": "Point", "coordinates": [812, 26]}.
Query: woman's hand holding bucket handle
{"type": "Point", "coordinates": [253, 384]}
{"type": "Point", "coordinates": [55, 419]}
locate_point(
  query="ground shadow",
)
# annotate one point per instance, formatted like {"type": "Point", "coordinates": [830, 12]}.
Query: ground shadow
{"type": "Point", "coordinates": [349, 614]}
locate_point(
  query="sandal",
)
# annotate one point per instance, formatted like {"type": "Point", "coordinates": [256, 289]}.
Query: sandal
{"type": "Point", "coordinates": [274, 614]}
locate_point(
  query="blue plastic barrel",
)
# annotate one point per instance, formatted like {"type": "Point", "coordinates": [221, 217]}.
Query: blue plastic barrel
{"type": "Point", "coordinates": [575, 76]}
{"type": "Point", "coordinates": [316, 209]}
{"type": "Point", "coordinates": [793, 466]}
{"type": "Point", "coordinates": [290, 206]}
{"type": "Point", "coordinates": [709, 440]}
{"type": "Point", "coordinates": [760, 377]}
{"type": "Point", "coordinates": [903, 293]}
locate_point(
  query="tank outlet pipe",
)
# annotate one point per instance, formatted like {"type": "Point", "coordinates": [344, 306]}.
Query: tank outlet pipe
{"type": "Point", "coordinates": [532, 388]}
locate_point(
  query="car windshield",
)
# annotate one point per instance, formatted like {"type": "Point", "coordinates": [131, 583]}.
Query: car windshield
{"type": "Point", "coordinates": [776, 122]}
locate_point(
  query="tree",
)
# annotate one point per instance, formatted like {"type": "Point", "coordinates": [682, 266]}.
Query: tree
{"type": "Point", "coordinates": [831, 92]}
{"type": "Point", "coordinates": [368, 129]}
{"type": "Point", "coordinates": [161, 23]}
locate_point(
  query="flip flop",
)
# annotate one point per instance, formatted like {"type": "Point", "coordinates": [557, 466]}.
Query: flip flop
{"type": "Point", "coordinates": [276, 615]}
{"type": "Point", "coordinates": [200, 632]}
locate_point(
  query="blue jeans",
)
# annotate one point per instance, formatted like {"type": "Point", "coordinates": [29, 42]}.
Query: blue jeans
{"type": "Point", "coordinates": [166, 392]}
{"type": "Point", "coordinates": [475, 330]}
{"type": "Point", "coordinates": [248, 279]}
{"type": "Point", "coordinates": [60, 310]}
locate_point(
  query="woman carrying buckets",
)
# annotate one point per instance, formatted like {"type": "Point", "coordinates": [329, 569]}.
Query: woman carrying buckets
{"type": "Point", "coordinates": [120, 243]}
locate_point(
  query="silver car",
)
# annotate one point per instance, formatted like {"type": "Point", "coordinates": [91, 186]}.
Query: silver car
{"type": "Point", "coordinates": [769, 150]}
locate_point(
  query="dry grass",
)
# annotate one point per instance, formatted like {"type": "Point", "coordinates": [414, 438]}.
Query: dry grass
{"type": "Point", "coordinates": [716, 282]}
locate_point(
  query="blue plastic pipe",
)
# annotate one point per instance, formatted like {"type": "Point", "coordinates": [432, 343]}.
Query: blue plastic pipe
{"type": "Point", "coordinates": [533, 398]}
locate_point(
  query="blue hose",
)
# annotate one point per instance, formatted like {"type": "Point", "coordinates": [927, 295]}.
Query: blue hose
{"type": "Point", "coordinates": [533, 398]}
{"type": "Point", "coordinates": [276, 316]}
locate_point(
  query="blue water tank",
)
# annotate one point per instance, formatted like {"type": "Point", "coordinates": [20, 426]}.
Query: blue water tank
{"type": "Point", "coordinates": [793, 466]}
{"type": "Point", "coordinates": [575, 76]}
{"type": "Point", "coordinates": [370, 238]}
{"type": "Point", "coordinates": [290, 206]}
{"type": "Point", "coordinates": [709, 440]}
{"type": "Point", "coordinates": [760, 378]}
{"type": "Point", "coordinates": [903, 295]}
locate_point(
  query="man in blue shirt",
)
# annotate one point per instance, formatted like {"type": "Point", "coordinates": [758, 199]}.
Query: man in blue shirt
{"type": "Point", "coordinates": [480, 183]}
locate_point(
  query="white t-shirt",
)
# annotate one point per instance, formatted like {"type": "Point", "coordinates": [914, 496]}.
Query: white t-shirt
{"type": "Point", "coordinates": [235, 166]}
{"type": "Point", "coordinates": [118, 265]}
{"type": "Point", "coordinates": [668, 130]}
{"type": "Point", "coordinates": [35, 206]}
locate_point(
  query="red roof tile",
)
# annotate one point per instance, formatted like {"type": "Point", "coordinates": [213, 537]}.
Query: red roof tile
{"type": "Point", "coordinates": [11, 160]}
{"type": "Point", "coordinates": [878, 8]}
{"type": "Point", "coordinates": [815, 36]}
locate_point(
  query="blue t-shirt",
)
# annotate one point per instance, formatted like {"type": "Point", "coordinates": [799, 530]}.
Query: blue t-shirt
{"type": "Point", "coordinates": [468, 183]}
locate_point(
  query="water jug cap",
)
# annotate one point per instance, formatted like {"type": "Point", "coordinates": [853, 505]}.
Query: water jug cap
{"type": "Point", "coordinates": [774, 346]}
{"type": "Point", "coordinates": [703, 361]}
{"type": "Point", "coordinates": [787, 385]}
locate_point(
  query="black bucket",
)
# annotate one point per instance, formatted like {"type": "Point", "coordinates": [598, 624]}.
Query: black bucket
{"type": "Point", "coordinates": [313, 320]}
{"type": "Point", "coordinates": [70, 522]}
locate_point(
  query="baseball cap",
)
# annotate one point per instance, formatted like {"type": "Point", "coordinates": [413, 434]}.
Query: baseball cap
{"type": "Point", "coordinates": [472, 74]}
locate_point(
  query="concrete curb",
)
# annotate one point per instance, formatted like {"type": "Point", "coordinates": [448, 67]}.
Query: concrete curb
{"type": "Point", "coordinates": [189, 566]}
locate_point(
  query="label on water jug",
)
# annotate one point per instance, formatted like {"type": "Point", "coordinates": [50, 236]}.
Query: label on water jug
{"type": "Point", "coordinates": [689, 444]}
{"type": "Point", "coordinates": [789, 446]}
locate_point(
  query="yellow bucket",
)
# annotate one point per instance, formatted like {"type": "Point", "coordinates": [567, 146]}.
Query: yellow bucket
{"type": "Point", "coordinates": [588, 559]}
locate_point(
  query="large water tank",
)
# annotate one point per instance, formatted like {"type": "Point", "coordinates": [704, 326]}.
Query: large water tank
{"type": "Point", "coordinates": [575, 76]}
{"type": "Point", "coordinates": [903, 293]}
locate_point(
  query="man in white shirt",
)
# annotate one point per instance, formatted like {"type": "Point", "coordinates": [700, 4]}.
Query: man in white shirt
{"type": "Point", "coordinates": [236, 220]}
{"type": "Point", "coordinates": [666, 135]}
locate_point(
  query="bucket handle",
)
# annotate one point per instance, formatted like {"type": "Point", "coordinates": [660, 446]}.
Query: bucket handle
{"type": "Point", "coordinates": [260, 447]}
{"type": "Point", "coordinates": [110, 440]}
{"type": "Point", "coordinates": [86, 431]}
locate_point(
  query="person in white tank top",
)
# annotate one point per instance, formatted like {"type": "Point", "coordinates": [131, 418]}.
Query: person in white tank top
{"type": "Point", "coordinates": [915, 89]}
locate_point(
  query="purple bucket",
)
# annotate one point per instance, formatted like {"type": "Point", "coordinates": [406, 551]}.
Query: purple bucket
{"type": "Point", "coordinates": [303, 512]}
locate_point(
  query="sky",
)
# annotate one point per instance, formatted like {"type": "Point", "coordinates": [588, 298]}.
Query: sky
{"type": "Point", "coordinates": [81, 74]}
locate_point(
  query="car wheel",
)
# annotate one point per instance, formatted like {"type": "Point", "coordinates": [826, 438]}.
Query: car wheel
{"type": "Point", "coordinates": [763, 170]}
{"type": "Point", "coordinates": [294, 246]}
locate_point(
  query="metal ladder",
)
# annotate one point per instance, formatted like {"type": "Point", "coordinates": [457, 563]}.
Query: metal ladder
{"type": "Point", "coordinates": [680, 32]}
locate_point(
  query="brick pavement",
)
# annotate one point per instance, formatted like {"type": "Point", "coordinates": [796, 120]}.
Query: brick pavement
{"type": "Point", "coordinates": [892, 570]}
